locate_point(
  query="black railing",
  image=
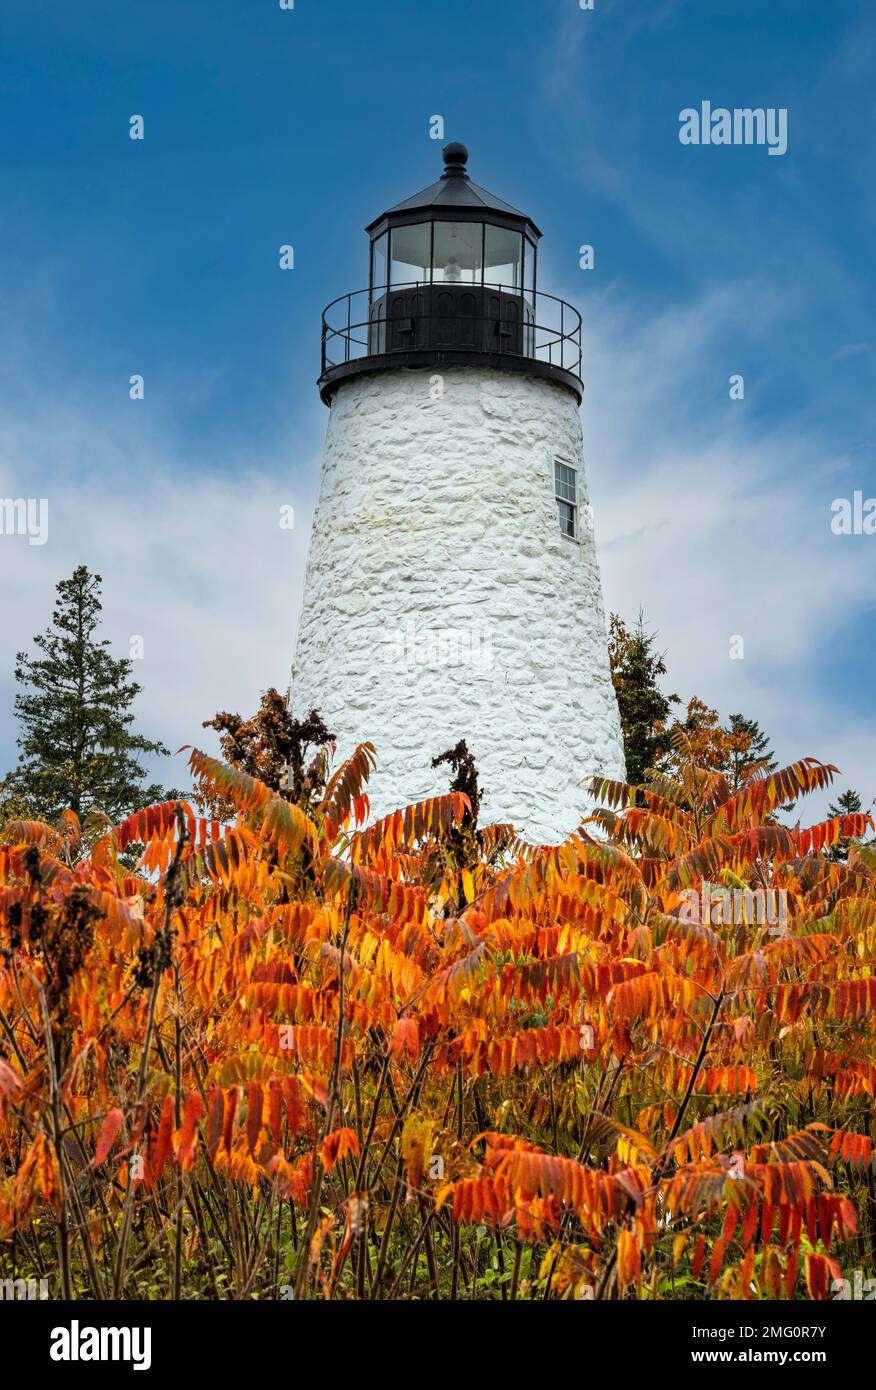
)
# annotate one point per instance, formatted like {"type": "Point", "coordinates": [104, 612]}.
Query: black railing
{"type": "Point", "coordinates": [460, 319]}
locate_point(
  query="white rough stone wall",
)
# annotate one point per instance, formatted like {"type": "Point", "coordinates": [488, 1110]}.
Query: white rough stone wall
{"type": "Point", "coordinates": [442, 602]}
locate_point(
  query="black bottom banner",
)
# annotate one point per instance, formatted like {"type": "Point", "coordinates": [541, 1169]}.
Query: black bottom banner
{"type": "Point", "coordinates": [87, 1339]}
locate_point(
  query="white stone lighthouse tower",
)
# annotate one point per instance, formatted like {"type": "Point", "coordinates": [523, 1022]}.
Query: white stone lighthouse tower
{"type": "Point", "coordinates": [452, 587]}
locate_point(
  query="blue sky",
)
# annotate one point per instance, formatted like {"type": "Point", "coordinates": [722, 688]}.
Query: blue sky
{"type": "Point", "coordinates": [265, 127]}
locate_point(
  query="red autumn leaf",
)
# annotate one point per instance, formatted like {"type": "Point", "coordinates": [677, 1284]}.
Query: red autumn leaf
{"type": "Point", "coordinates": [109, 1133]}
{"type": "Point", "coordinates": [192, 1113]}
{"type": "Point", "coordinates": [337, 1145]}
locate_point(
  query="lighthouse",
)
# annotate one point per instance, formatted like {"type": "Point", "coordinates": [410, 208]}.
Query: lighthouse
{"type": "Point", "coordinates": [452, 588]}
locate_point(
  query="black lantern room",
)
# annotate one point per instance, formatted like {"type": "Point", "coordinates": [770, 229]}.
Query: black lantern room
{"type": "Point", "coordinates": [452, 282]}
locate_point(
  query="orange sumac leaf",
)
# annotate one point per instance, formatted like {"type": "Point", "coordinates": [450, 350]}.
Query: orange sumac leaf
{"type": "Point", "coordinates": [254, 1102]}
{"type": "Point", "coordinates": [629, 1258]}
{"type": "Point", "coordinates": [820, 1272]}
{"type": "Point", "coordinates": [192, 1114]}
{"type": "Point", "coordinates": [337, 1145]}
{"type": "Point", "coordinates": [112, 1123]}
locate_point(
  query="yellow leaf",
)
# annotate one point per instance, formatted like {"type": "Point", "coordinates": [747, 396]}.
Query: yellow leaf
{"type": "Point", "coordinates": [416, 1144]}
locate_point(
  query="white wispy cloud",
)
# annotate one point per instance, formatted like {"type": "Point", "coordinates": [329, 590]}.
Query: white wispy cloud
{"type": "Point", "coordinates": [193, 561]}
{"type": "Point", "coordinates": [703, 521]}
{"type": "Point", "coordinates": [710, 515]}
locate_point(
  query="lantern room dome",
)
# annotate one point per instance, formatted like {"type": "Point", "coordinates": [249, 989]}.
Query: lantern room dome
{"type": "Point", "coordinates": [451, 194]}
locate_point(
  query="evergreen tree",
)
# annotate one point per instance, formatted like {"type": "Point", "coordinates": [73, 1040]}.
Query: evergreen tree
{"type": "Point", "coordinates": [644, 709]}
{"type": "Point", "coordinates": [749, 749]}
{"type": "Point", "coordinates": [847, 804]}
{"type": "Point", "coordinates": [78, 747]}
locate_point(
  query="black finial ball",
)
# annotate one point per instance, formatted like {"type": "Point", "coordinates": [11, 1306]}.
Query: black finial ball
{"type": "Point", "coordinates": [454, 153]}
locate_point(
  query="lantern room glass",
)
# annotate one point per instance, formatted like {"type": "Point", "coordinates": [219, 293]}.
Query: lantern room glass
{"type": "Point", "coordinates": [457, 256]}
{"type": "Point", "coordinates": [528, 266]}
{"type": "Point", "coordinates": [468, 253]}
{"type": "Point", "coordinates": [411, 254]}
{"type": "Point", "coordinates": [379, 253]}
{"type": "Point", "coordinates": [503, 257]}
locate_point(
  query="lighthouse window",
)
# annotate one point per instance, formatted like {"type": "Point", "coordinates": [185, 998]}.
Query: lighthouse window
{"type": "Point", "coordinates": [528, 264]}
{"type": "Point", "coordinates": [410, 254]}
{"type": "Point", "coordinates": [378, 262]}
{"type": "Point", "coordinates": [566, 490]}
{"type": "Point", "coordinates": [457, 257]}
{"type": "Point", "coordinates": [503, 255]}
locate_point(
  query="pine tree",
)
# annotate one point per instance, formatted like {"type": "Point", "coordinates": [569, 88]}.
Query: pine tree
{"type": "Point", "coordinates": [847, 804]}
{"type": "Point", "coordinates": [78, 748]}
{"type": "Point", "coordinates": [749, 751]}
{"type": "Point", "coordinates": [643, 708]}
